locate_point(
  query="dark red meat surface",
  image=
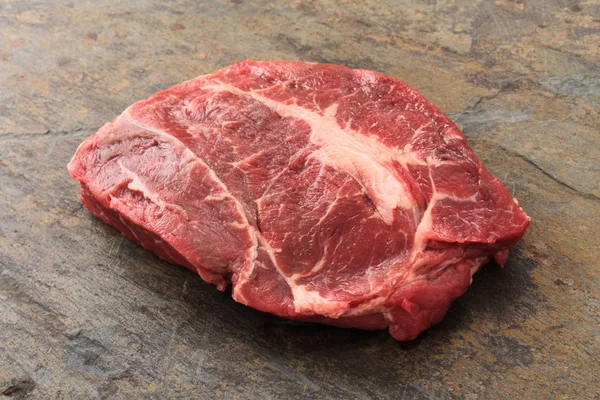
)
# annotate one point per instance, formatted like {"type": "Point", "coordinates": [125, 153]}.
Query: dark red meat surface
{"type": "Point", "coordinates": [321, 193]}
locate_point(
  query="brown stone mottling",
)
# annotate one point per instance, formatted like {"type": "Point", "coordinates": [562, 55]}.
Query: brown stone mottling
{"type": "Point", "coordinates": [85, 313]}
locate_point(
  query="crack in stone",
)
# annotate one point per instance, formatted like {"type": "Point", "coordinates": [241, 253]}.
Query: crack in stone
{"type": "Point", "coordinates": [19, 387]}
{"type": "Point", "coordinates": [562, 51]}
{"type": "Point", "coordinates": [475, 118]}
{"type": "Point", "coordinates": [587, 195]}
{"type": "Point", "coordinates": [456, 115]}
{"type": "Point", "coordinates": [549, 175]}
{"type": "Point", "coordinates": [45, 134]}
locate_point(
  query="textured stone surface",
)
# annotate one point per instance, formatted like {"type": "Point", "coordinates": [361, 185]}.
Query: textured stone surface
{"type": "Point", "coordinates": [85, 313]}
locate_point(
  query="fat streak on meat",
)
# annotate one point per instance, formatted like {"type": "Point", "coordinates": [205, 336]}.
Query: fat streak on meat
{"type": "Point", "coordinates": [321, 193]}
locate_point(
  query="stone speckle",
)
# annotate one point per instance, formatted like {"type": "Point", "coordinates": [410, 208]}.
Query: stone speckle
{"type": "Point", "coordinates": [85, 313]}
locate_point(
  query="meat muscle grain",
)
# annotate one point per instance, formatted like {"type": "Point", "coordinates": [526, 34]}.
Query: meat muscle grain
{"type": "Point", "coordinates": [321, 193]}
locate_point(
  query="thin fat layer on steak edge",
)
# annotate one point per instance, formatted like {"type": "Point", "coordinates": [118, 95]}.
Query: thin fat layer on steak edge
{"type": "Point", "coordinates": [400, 299]}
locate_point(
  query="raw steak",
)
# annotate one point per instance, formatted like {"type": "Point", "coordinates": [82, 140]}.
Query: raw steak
{"type": "Point", "coordinates": [321, 193]}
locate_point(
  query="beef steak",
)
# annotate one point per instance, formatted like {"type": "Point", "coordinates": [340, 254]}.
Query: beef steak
{"type": "Point", "coordinates": [321, 193]}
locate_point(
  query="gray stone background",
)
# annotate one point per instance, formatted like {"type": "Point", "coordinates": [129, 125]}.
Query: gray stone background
{"type": "Point", "coordinates": [84, 313]}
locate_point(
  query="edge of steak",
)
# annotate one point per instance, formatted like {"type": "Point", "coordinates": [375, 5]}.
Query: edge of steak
{"type": "Point", "coordinates": [321, 193]}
